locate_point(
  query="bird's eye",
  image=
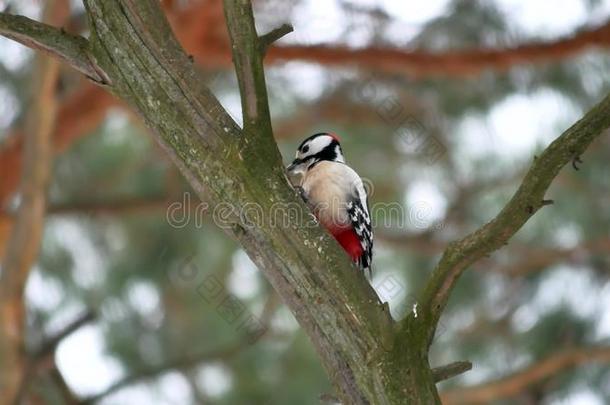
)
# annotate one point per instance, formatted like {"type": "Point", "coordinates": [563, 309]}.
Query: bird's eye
{"type": "Point", "coordinates": [305, 149]}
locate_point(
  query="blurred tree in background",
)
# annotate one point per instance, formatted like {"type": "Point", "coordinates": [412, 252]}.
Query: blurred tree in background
{"type": "Point", "coordinates": [440, 106]}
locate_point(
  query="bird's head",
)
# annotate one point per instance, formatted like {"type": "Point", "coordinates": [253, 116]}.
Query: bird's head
{"type": "Point", "coordinates": [316, 148]}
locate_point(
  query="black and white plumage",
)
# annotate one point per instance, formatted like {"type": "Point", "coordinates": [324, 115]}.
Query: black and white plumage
{"type": "Point", "coordinates": [336, 194]}
{"type": "Point", "coordinates": [361, 222]}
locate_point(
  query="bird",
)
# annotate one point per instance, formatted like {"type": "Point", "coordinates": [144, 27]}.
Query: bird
{"type": "Point", "coordinates": [336, 195]}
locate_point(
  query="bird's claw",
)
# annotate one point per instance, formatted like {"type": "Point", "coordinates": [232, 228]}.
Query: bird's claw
{"type": "Point", "coordinates": [300, 191]}
{"type": "Point", "coordinates": [313, 218]}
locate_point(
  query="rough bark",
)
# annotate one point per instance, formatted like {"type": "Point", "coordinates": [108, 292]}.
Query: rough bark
{"type": "Point", "coordinates": [132, 43]}
{"type": "Point", "coordinates": [527, 200]}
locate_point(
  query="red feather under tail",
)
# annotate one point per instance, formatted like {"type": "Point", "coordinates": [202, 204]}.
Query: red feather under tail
{"type": "Point", "coordinates": [348, 239]}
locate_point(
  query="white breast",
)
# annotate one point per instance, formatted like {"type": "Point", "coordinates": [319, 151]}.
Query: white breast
{"type": "Point", "coordinates": [328, 187]}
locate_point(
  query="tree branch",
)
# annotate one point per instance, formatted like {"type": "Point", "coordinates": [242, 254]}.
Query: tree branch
{"type": "Point", "coordinates": [257, 144]}
{"type": "Point", "coordinates": [72, 49]}
{"type": "Point", "coordinates": [533, 260]}
{"type": "Point", "coordinates": [516, 383]}
{"type": "Point", "coordinates": [336, 307]}
{"type": "Point", "coordinates": [456, 64]}
{"type": "Point", "coordinates": [352, 332]}
{"type": "Point", "coordinates": [24, 242]}
{"type": "Point", "coordinates": [420, 64]}
{"type": "Point", "coordinates": [177, 364]}
{"type": "Point", "coordinates": [43, 358]}
{"type": "Point", "coordinates": [65, 390]}
{"type": "Point", "coordinates": [79, 114]}
{"type": "Point", "coordinates": [275, 34]}
{"type": "Point", "coordinates": [48, 347]}
{"type": "Point", "coordinates": [248, 60]}
{"type": "Point", "coordinates": [189, 362]}
{"type": "Point", "coordinates": [451, 370]}
{"type": "Point", "coordinates": [522, 206]}
{"type": "Point", "coordinates": [198, 20]}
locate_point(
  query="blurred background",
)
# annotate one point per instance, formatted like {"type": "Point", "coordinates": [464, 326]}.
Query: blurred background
{"type": "Point", "coordinates": [441, 106]}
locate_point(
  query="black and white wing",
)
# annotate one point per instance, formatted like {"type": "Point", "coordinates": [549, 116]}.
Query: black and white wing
{"type": "Point", "coordinates": [361, 222]}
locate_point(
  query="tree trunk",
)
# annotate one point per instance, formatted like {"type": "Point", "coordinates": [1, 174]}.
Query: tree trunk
{"type": "Point", "coordinates": [240, 174]}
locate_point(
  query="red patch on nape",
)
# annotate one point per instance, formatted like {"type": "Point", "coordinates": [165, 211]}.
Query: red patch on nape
{"type": "Point", "coordinates": [348, 239]}
{"type": "Point", "coordinates": [334, 136]}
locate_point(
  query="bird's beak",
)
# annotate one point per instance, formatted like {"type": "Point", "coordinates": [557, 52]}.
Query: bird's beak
{"type": "Point", "coordinates": [296, 167]}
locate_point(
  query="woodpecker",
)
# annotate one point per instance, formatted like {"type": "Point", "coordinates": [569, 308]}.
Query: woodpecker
{"type": "Point", "coordinates": [336, 195]}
